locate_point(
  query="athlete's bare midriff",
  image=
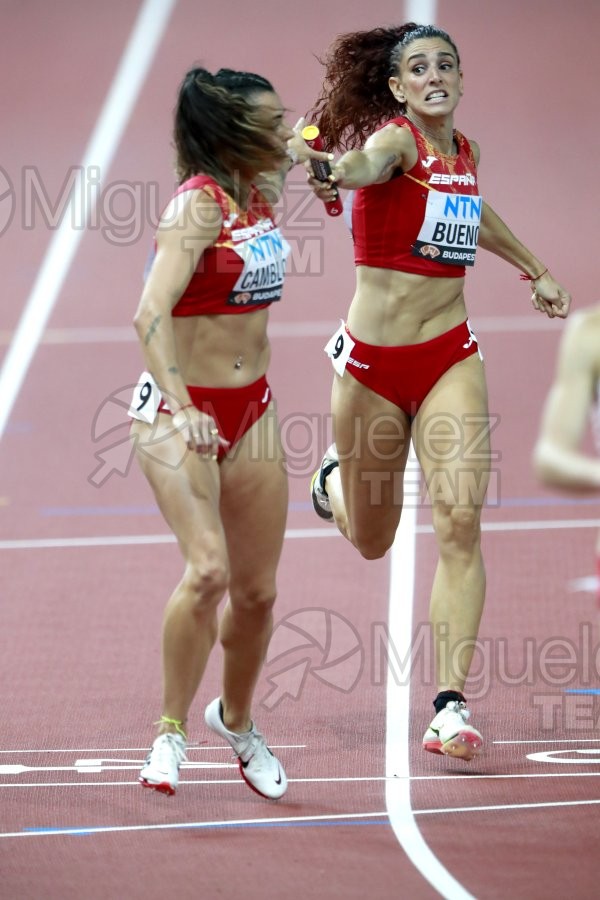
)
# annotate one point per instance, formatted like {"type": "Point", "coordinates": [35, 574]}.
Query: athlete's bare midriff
{"type": "Point", "coordinates": [208, 348]}
{"type": "Point", "coordinates": [392, 308]}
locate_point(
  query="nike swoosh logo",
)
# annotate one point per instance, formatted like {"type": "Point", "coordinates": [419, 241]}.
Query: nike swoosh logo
{"type": "Point", "coordinates": [266, 396]}
{"type": "Point", "coordinates": [245, 765]}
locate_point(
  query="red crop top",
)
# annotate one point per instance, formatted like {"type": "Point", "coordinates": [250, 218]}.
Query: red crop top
{"type": "Point", "coordinates": [425, 221]}
{"type": "Point", "coordinates": [244, 269]}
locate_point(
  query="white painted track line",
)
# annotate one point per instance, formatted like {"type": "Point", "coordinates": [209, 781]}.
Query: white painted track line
{"type": "Point", "coordinates": [128, 540]}
{"type": "Point", "coordinates": [114, 116]}
{"type": "Point", "coordinates": [397, 769]}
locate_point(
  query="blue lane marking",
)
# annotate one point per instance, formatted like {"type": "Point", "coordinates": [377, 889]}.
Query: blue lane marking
{"type": "Point", "coordinates": [99, 510]}
{"type": "Point", "coordinates": [512, 502]}
{"type": "Point", "coordinates": [76, 832]}
{"type": "Point", "coordinates": [300, 506]}
{"type": "Point", "coordinates": [19, 428]}
{"type": "Point", "coordinates": [549, 501]}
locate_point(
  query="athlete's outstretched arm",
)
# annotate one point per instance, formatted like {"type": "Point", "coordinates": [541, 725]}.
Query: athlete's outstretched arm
{"type": "Point", "coordinates": [548, 295]}
{"type": "Point", "coordinates": [558, 457]}
{"type": "Point", "coordinates": [384, 152]}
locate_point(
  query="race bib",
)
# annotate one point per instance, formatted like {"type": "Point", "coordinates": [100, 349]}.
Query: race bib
{"type": "Point", "coordinates": [146, 399]}
{"type": "Point", "coordinates": [339, 347]}
{"type": "Point", "coordinates": [450, 230]}
{"type": "Point", "coordinates": [261, 279]}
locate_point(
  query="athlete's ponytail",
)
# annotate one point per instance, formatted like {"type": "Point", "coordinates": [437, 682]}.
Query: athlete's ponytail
{"type": "Point", "coordinates": [219, 131]}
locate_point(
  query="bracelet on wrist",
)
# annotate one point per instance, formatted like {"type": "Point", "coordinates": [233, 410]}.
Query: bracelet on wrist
{"type": "Point", "coordinates": [186, 406]}
{"type": "Point", "coordinates": [531, 277]}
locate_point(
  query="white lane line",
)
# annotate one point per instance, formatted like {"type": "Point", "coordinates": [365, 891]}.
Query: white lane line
{"type": "Point", "coordinates": [181, 825]}
{"type": "Point", "coordinates": [120, 334]}
{"type": "Point", "coordinates": [595, 740]}
{"type": "Point", "coordinates": [114, 116]}
{"type": "Point", "coordinates": [397, 765]}
{"type": "Point", "coordinates": [355, 779]}
{"type": "Point", "coordinates": [449, 890]}
{"type": "Point", "coordinates": [123, 540]}
{"type": "Point", "coordinates": [514, 324]}
{"type": "Point", "coordinates": [97, 766]}
{"type": "Point", "coordinates": [508, 806]}
{"type": "Point", "coordinates": [128, 540]}
{"type": "Point", "coordinates": [464, 780]}
{"type": "Point", "coordinates": [540, 525]}
{"type": "Point", "coordinates": [371, 779]}
{"type": "Point", "coordinates": [192, 748]}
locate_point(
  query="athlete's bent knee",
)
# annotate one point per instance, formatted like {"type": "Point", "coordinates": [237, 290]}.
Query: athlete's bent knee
{"type": "Point", "coordinates": [253, 602]}
{"type": "Point", "coordinates": [457, 526]}
{"type": "Point", "coordinates": [206, 584]}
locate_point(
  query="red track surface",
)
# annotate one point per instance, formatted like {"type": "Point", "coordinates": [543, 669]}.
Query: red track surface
{"type": "Point", "coordinates": [80, 667]}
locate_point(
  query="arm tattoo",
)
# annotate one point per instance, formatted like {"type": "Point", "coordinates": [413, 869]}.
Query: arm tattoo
{"type": "Point", "coordinates": [151, 330]}
{"type": "Point", "coordinates": [173, 370]}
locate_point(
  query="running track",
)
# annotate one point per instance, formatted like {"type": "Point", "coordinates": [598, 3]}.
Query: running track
{"type": "Point", "coordinates": [87, 562]}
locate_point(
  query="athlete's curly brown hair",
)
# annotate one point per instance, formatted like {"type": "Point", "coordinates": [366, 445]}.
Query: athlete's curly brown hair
{"type": "Point", "coordinates": [355, 96]}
